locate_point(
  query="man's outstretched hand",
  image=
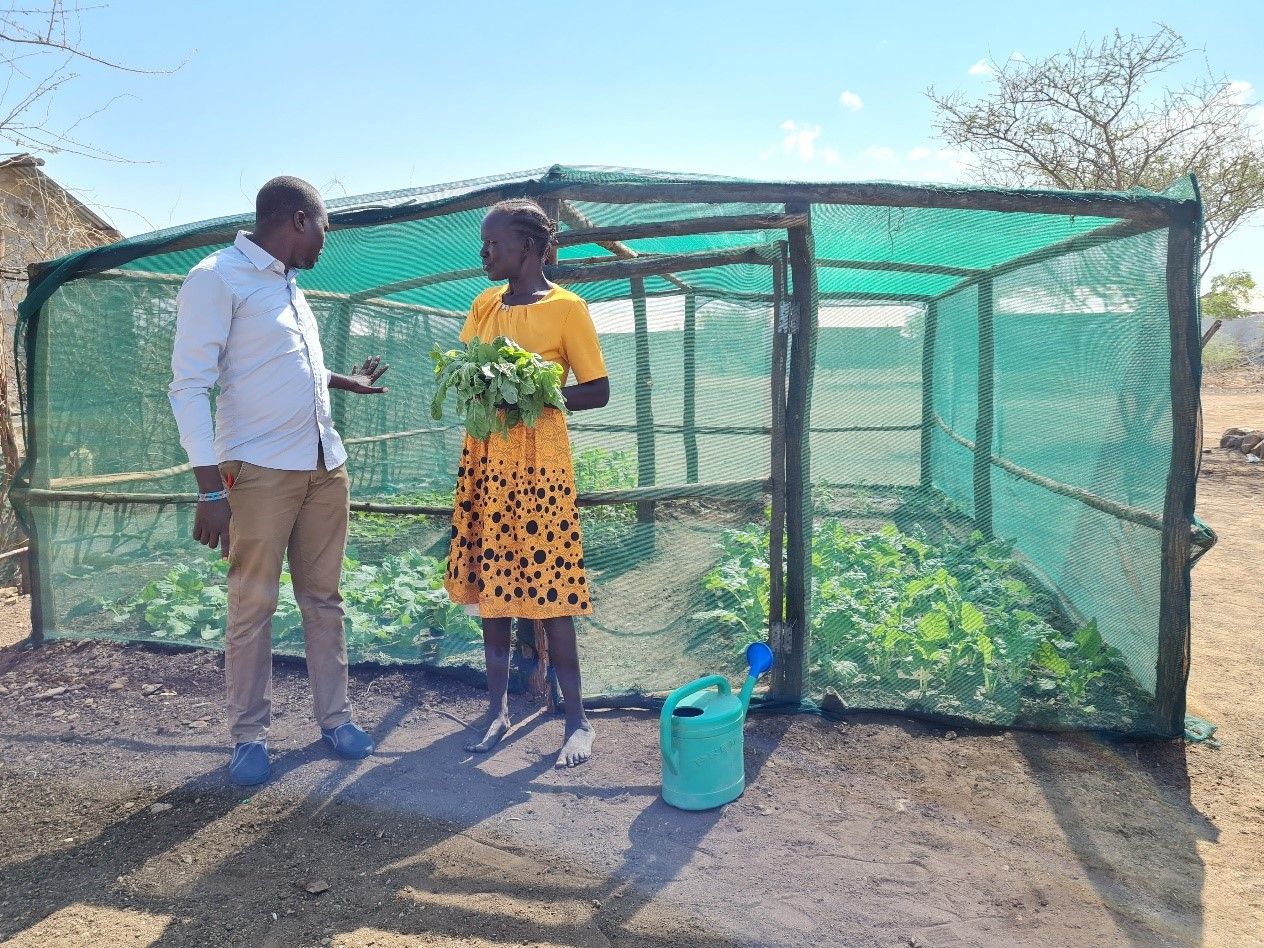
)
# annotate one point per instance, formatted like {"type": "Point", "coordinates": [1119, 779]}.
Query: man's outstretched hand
{"type": "Point", "coordinates": [362, 380]}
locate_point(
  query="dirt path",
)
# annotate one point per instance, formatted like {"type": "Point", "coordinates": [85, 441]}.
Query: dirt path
{"type": "Point", "coordinates": [119, 829]}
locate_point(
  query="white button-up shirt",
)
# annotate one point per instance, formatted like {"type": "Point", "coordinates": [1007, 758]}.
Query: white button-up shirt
{"type": "Point", "coordinates": [243, 323]}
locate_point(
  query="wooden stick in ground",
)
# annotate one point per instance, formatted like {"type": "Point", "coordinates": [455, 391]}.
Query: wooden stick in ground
{"type": "Point", "coordinates": [1211, 331]}
{"type": "Point", "coordinates": [539, 683]}
{"type": "Point", "coordinates": [802, 356]}
{"type": "Point", "coordinates": [776, 539]}
{"type": "Point", "coordinates": [1172, 671]}
{"type": "Point", "coordinates": [643, 381]}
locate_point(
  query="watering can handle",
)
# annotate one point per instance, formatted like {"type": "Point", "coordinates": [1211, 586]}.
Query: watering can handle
{"type": "Point", "coordinates": [669, 706]}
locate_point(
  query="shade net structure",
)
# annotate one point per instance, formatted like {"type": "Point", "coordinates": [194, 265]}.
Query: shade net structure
{"type": "Point", "coordinates": [937, 445]}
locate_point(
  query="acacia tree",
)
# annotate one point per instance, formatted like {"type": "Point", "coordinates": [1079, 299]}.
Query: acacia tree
{"type": "Point", "coordinates": [1229, 297]}
{"type": "Point", "coordinates": [1105, 116]}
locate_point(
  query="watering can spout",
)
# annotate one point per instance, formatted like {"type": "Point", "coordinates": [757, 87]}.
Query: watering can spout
{"type": "Point", "coordinates": [759, 658]}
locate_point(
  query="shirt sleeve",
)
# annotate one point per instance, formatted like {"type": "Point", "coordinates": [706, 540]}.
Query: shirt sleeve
{"type": "Point", "coordinates": [204, 314]}
{"type": "Point", "coordinates": [468, 330]}
{"type": "Point", "coordinates": [583, 351]}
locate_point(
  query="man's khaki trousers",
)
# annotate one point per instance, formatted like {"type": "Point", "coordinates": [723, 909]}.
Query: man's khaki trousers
{"type": "Point", "coordinates": [304, 514]}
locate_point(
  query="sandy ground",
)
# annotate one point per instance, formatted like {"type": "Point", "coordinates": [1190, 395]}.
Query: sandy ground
{"type": "Point", "coordinates": [120, 829]}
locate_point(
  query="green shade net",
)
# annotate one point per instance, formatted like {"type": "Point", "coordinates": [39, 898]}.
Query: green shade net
{"type": "Point", "coordinates": [1049, 616]}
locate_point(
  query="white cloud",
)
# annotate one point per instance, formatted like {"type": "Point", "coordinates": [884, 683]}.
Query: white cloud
{"type": "Point", "coordinates": [1017, 57]}
{"type": "Point", "coordinates": [1240, 91]}
{"type": "Point", "coordinates": [851, 101]}
{"type": "Point", "coordinates": [919, 153]}
{"type": "Point", "coordinates": [981, 68]}
{"type": "Point", "coordinates": [879, 153]}
{"type": "Point", "coordinates": [800, 138]}
{"type": "Point", "coordinates": [829, 156]}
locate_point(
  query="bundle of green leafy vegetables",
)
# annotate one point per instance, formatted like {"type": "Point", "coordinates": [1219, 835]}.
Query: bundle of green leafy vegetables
{"type": "Point", "coordinates": [489, 376]}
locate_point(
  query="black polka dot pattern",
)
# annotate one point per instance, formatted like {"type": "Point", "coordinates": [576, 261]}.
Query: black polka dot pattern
{"type": "Point", "coordinates": [516, 545]}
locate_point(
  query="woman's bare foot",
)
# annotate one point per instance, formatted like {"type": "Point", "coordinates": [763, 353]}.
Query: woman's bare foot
{"type": "Point", "coordinates": [497, 727]}
{"type": "Point", "coordinates": [578, 746]}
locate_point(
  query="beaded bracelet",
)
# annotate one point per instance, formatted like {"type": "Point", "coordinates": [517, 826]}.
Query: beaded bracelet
{"type": "Point", "coordinates": [213, 495]}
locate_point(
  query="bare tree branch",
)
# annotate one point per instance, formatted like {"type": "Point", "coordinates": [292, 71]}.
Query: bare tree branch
{"type": "Point", "coordinates": [1098, 117]}
{"type": "Point", "coordinates": [39, 44]}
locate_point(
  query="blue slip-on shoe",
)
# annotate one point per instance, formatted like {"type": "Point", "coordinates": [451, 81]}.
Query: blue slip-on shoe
{"type": "Point", "coordinates": [250, 764]}
{"type": "Point", "coordinates": [347, 740]}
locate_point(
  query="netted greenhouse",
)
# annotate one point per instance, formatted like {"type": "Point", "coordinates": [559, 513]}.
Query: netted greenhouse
{"type": "Point", "coordinates": [937, 445]}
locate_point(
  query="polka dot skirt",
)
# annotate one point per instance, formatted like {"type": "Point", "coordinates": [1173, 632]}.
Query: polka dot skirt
{"type": "Point", "coordinates": [516, 546]}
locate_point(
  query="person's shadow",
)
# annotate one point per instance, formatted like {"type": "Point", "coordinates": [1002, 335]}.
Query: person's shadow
{"type": "Point", "coordinates": [424, 799]}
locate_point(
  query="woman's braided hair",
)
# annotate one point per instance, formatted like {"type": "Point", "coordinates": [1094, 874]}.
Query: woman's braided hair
{"type": "Point", "coordinates": [528, 219]}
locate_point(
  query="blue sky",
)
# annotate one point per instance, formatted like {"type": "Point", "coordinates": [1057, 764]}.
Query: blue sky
{"type": "Point", "coordinates": [374, 96]}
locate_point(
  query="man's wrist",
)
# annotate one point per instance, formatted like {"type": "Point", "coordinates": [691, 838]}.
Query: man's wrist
{"type": "Point", "coordinates": [212, 496]}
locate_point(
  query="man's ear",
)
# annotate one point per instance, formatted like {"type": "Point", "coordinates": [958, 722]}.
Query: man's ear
{"type": "Point", "coordinates": [300, 221]}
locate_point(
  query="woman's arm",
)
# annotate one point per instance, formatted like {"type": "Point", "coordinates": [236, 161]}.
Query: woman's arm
{"type": "Point", "coordinates": [594, 394]}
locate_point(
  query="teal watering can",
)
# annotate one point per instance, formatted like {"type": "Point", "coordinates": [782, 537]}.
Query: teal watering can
{"type": "Point", "coordinates": [701, 737]}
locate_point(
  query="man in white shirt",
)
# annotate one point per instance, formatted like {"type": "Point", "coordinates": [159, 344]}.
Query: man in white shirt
{"type": "Point", "coordinates": [271, 462]}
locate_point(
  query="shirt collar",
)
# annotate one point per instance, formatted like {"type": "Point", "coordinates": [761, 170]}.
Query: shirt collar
{"type": "Point", "coordinates": [257, 255]}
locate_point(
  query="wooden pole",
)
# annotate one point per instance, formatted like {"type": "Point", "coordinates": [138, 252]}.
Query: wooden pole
{"type": "Point", "coordinates": [582, 225]}
{"type": "Point", "coordinates": [644, 381]}
{"type": "Point", "coordinates": [721, 490]}
{"type": "Point", "coordinates": [782, 325]}
{"type": "Point", "coordinates": [1115, 509]}
{"type": "Point", "coordinates": [798, 454]}
{"type": "Point", "coordinates": [1178, 507]}
{"type": "Point", "coordinates": [930, 328]}
{"type": "Point", "coordinates": [1211, 331]}
{"type": "Point", "coordinates": [891, 266]}
{"type": "Point", "coordinates": [689, 419]}
{"type": "Point", "coordinates": [657, 264]}
{"type": "Point", "coordinates": [340, 326]}
{"type": "Point", "coordinates": [1149, 208]}
{"type": "Point", "coordinates": [38, 462]}
{"type": "Point", "coordinates": [1085, 241]}
{"type": "Point", "coordinates": [984, 420]}
{"type": "Point", "coordinates": [713, 224]}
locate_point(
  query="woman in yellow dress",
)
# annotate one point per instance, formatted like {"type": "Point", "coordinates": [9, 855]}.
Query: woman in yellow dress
{"type": "Point", "coordinates": [516, 550]}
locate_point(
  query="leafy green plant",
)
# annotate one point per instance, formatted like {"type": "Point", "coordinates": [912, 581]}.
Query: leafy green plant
{"type": "Point", "coordinates": [951, 627]}
{"type": "Point", "coordinates": [596, 469]}
{"type": "Point", "coordinates": [601, 469]}
{"type": "Point", "coordinates": [486, 376]}
{"type": "Point", "coordinates": [387, 526]}
{"type": "Point", "coordinates": [398, 602]}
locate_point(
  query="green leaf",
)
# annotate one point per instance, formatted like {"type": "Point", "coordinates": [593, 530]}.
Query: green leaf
{"type": "Point", "coordinates": [972, 620]}
{"type": "Point", "coordinates": [1048, 658]}
{"type": "Point", "coordinates": [933, 626]}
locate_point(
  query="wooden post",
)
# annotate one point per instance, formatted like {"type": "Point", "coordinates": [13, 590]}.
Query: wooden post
{"type": "Point", "coordinates": [689, 421]}
{"type": "Point", "coordinates": [1178, 507]}
{"type": "Point", "coordinates": [929, 329]}
{"type": "Point", "coordinates": [984, 422]}
{"type": "Point", "coordinates": [38, 468]}
{"type": "Point", "coordinates": [644, 381]}
{"type": "Point", "coordinates": [782, 325]}
{"type": "Point", "coordinates": [340, 326]}
{"type": "Point", "coordinates": [798, 454]}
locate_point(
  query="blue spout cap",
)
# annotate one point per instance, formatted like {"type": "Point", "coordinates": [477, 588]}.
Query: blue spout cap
{"type": "Point", "coordinates": [759, 658]}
